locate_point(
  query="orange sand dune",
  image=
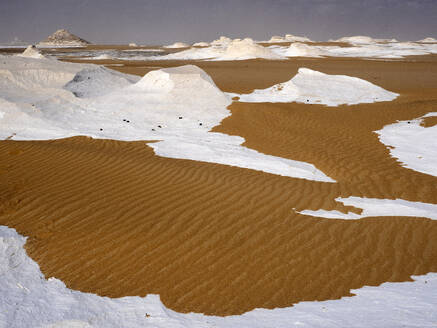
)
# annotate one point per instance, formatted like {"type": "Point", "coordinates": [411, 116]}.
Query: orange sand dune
{"type": "Point", "coordinates": [112, 218]}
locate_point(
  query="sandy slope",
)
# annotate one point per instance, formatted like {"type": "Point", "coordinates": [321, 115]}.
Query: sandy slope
{"type": "Point", "coordinates": [111, 218]}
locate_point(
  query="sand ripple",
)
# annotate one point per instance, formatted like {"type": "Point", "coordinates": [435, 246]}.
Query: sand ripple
{"type": "Point", "coordinates": [111, 218]}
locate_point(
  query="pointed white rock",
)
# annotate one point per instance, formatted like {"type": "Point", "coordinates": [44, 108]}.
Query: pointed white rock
{"type": "Point", "coordinates": [32, 52]}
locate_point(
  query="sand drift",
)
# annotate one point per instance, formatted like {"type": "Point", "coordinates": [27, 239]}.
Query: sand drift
{"type": "Point", "coordinates": [28, 299]}
{"type": "Point", "coordinates": [177, 108]}
{"type": "Point", "coordinates": [45, 99]}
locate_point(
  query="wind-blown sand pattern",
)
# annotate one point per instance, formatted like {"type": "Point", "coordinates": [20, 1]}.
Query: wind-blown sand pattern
{"type": "Point", "coordinates": [153, 225]}
{"type": "Point", "coordinates": [28, 298]}
{"type": "Point", "coordinates": [101, 103]}
{"type": "Point", "coordinates": [223, 240]}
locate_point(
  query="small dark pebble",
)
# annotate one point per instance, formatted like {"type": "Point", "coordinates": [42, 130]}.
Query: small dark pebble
{"type": "Point", "coordinates": [200, 123]}
{"type": "Point", "coordinates": [159, 126]}
{"type": "Point", "coordinates": [180, 117]}
{"type": "Point", "coordinates": [101, 129]}
{"type": "Point", "coordinates": [308, 100]}
{"type": "Point", "coordinates": [408, 122]}
{"type": "Point", "coordinates": [89, 78]}
{"type": "Point", "coordinates": [124, 120]}
{"type": "Point", "coordinates": [127, 121]}
{"type": "Point", "coordinates": [153, 129]}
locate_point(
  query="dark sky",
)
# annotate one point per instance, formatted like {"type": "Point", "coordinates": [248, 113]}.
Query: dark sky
{"type": "Point", "coordinates": [165, 21]}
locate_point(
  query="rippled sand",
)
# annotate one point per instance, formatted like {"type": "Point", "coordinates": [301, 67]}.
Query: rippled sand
{"type": "Point", "coordinates": [112, 218]}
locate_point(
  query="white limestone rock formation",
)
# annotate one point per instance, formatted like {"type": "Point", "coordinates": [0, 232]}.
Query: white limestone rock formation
{"type": "Point", "coordinates": [63, 38]}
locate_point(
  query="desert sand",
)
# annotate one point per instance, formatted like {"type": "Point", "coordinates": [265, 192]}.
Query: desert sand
{"type": "Point", "coordinates": [112, 218]}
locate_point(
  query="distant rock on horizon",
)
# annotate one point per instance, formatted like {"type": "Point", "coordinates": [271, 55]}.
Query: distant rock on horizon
{"type": "Point", "coordinates": [32, 52]}
{"type": "Point", "coordinates": [63, 38]}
